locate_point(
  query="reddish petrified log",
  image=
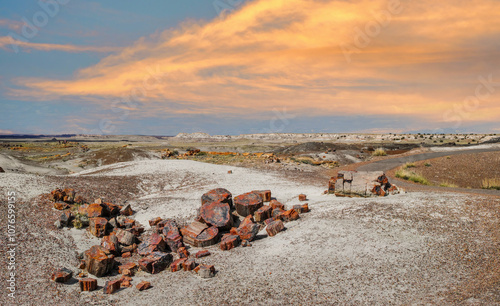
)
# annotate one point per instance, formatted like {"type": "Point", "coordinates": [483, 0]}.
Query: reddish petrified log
{"type": "Point", "coordinates": [97, 210]}
{"type": "Point", "coordinates": [69, 195]}
{"type": "Point", "coordinates": [61, 276]}
{"type": "Point", "coordinates": [275, 204]}
{"type": "Point", "coordinates": [155, 221]}
{"type": "Point", "coordinates": [99, 260]}
{"type": "Point", "coordinates": [112, 286]}
{"type": "Point", "coordinates": [131, 266]}
{"type": "Point", "coordinates": [98, 226]}
{"type": "Point", "coordinates": [155, 243]}
{"type": "Point", "coordinates": [301, 208]}
{"type": "Point", "coordinates": [290, 215]}
{"type": "Point", "coordinates": [111, 243]}
{"type": "Point", "coordinates": [189, 265]}
{"type": "Point", "coordinates": [155, 262]}
{"type": "Point", "coordinates": [262, 213]}
{"type": "Point", "coordinates": [275, 227]}
{"type": "Point", "coordinates": [126, 211]}
{"type": "Point", "coordinates": [125, 281]}
{"type": "Point", "coordinates": [277, 214]}
{"type": "Point", "coordinates": [177, 265]}
{"type": "Point", "coordinates": [229, 242]}
{"type": "Point", "coordinates": [202, 253]}
{"type": "Point", "coordinates": [143, 285]}
{"type": "Point", "coordinates": [183, 252]}
{"type": "Point", "coordinates": [206, 271]}
{"type": "Point", "coordinates": [302, 197]}
{"type": "Point", "coordinates": [199, 235]}
{"type": "Point", "coordinates": [217, 195]}
{"type": "Point", "coordinates": [61, 206]}
{"type": "Point", "coordinates": [265, 194]}
{"type": "Point", "coordinates": [124, 237]}
{"type": "Point", "coordinates": [171, 235]}
{"type": "Point", "coordinates": [217, 214]}
{"type": "Point", "coordinates": [248, 203]}
{"type": "Point", "coordinates": [88, 284]}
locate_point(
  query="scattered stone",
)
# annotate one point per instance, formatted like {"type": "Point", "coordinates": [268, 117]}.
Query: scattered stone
{"type": "Point", "coordinates": [207, 235]}
{"type": "Point", "coordinates": [206, 271]}
{"type": "Point", "coordinates": [126, 211]}
{"type": "Point", "coordinates": [97, 210]}
{"type": "Point", "coordinates": [248, 203]}
{"type": "Point", "coordinates": [202, 253]}
{"type": "Point", "coordinates": [125, 222]}
{"type": "Point", "coordinates": [125, 281]}
{"type": "Point", "coordinates": [155, 221]}
{"type": "Point", "coordinates": [130, 266]}
{"type": "Point", "coordinates": [111, 243]}
{"type": "Point", "coordinates": [228, 172]}
{"type": "Point", "coordinates": [112, 208]}
{"type": "Point", "coordinates": [62, 276]}
{"type": "Point", "coordinates": [275, 227]}
{"type": "Point", "coordinates": [98, 226]}
{"type": "Point", "coordinates": [262, 213]}
{"type": "Point", "coordinates": [88, 284]}
{"type": "Point", "coordinates": [362, 184]}
{"type": "Point", "coordinates": [136, 230]}
{"type": "Point", "coordinates": [302, 197]}
{"type": "Point", "coordinates": [268, 221]}
{"type": "Point", "coordinates": [82, 210]}
{"type": "Point", "coordinates": [248, 220]}
{"type": "Point", "coordinates": [143, 285]}
{"type": "Point", "coordinates": [126, 255]}
{"type": "Point", "coordinates": [177, 265]}
{"type": "Point", "coordinates": [69, 195]}
{"type": "Point", "coordinates": [189, 265]}
{"type": "Point", "coordinates": [183, 252]}
{"type": "Point", "coordinates": [111, 287]}
{"type": "Point", "coordinates": [217, 214]}
{"type": "Point", "coordinates": [265, 194]}
{"type": "Point", "coordinates": [301, 208]}
{"type": "Point", "coordinates": [155, 262]}
{"type": "Point", "coordinates": [278, 214]}
{"type": "Point", "coordinates": [124, 237]}
{"type": "Point", "coordinates": [246, 231]}
{"type": "Point", "coordinates": [290, 215]}
{"type": "Point", "coordinates": [113, 223]}
{"type": "Point", "coordinates": [275, 204]}
{"type": "Point", "coordinates": [217, 195]}
{"type": "Point", "coordinates": [229, 242]}
{"type": "Point", "coordinates": [57, 195]}
{"type": "Point", "coordinates": [79, 199]}
{"type": "Point", "coordinates": [99, 260]}
{"type": "Point", "coordinates": [246, 243]}
{"type": "Point", "coordinates": [129, 248]}
{"type": "Point", "coordinates": [155, 243]}
{"type": "Point", "coordinates": [171, 235]}
{"type": "Point", "coordinates": [61, 206]}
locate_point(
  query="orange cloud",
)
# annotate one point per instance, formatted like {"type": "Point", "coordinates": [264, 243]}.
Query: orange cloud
{"type": "Point", "coordinates": [314, 57]}
{"type": "Point", "coordinates": [6, 43]}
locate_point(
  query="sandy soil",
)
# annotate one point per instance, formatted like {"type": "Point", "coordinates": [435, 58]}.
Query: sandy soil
{"type": "Point", "coordinates": [413, 248]}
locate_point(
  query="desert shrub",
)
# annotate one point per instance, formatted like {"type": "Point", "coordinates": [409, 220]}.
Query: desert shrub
{"type": "Point", "coordinates": [379, 152]}
{"type": "Point", "coordinates": [448, 184]}
{"type": "Point", "coordinates": [411, 176]}
{"type": "Point", "coordinates": [409, 165]}
{"type": "Point", "coordinates": [80, 221]}
{"type": "Point", "coordinates": [491, 183]}
{"type": "Point", "coordinates": [427, 165]}
{"type": "Point", "coordinates": [201, 153]}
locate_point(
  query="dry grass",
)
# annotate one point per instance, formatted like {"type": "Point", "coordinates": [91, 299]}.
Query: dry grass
{"type": "Point", "coordinates": [411, 176]}
{"type": "Point", "coordinates": [491, 183]}
{"type": "Point", "coordinates": [379, 152]}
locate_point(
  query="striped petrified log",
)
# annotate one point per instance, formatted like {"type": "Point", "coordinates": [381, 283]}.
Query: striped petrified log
{"type": "Point", "coordinates": [217, 195]}
{"type": "Point", "coordinates": [88, 284]}
{"type": "Point", "coordinates": [265, 194]}
{"type": "Point", "coordinates": [200, 235]}
{"type": "Point", "coordinates": [274, 228]}
{"type": "Point", "coordinates": [248, 203]}
{"type": "Point", "coordinates": [217, 214]}
{"type": "Point", "coordinates": [262, 213]}
{"type": "Point", "coordinates": [99, 260]}
{"type": "Point", "coordinates": [155, 262]}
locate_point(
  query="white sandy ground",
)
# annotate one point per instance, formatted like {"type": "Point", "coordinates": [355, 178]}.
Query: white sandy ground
{"type": "Point", "coordinates": [348, 251]}
{"type": "Point", "coordinates": [453, 149]}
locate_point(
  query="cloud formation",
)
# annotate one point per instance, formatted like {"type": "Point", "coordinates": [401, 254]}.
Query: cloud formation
{"type": "Point", "coordinates": [312, 57]}
{"type": "Point", "coordinates": [7, 43]}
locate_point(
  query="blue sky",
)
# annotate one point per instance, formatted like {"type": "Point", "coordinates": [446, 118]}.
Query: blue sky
{"type": "Point", "coordinates": [164, 67]}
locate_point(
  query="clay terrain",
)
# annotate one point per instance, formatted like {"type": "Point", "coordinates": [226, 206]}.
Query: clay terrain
{"type": "Point", "coordinates": [265, 219]}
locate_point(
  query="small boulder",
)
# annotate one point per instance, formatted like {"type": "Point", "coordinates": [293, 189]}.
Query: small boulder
{"type": "Point", "coordinates": [248, 203]}
{"type": "Point", "coordinates": [155, 262]}
{"type": "Point", "coordinates": [97, 210]}
{"type": "Point", "coordinates": [265, 194]}
{"type": "Point", "coordinates": [274, 228]}
{"type": "Point", "coordinates": [111, 287]}
{"type": "Point", "coordinates": [62, 276]}
{"type": "Point", "coordinates": [155, 243]}
{"type": "Point", "coordinates": [217, 195]}
{"type": "Point", "coordinates": [126, 210]}
{"type": "Point", "coordinates": [229, 242]}
{"type": "Point", "coordinates": [124, 237]}
{"type": "Point", "coordinates": [202, 253]}
{"type": "Point", "coordinates": [262, 213]}
{"type": "Point", "coordinates": [99, 260]}
{"type": "Point", "coordinates": [88, 284]}
{"type": "Point", "coordinates": [111, 243]}
{"type": "Point", "coordinates": [144, 285]}
{"type": "Point", "coordinates": [98, 226]}
{"type": "Point", "coordinates": [217, 214]}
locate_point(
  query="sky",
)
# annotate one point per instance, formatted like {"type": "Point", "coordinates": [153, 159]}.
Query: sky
{"type": "Point", "coordinates": [256, 66]}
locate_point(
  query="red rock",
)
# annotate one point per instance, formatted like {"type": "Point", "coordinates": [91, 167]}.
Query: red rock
{"type": "Point", "coordinates": [129, 248]}
{"type": "Point", "coordinates": [88, 284]}
{"type": "Point", "coordinates": [126, 223]}
{"type": "Point", "coordinates": [97, 210]}
{"type": "Point", "coordinates": [248, 203]}
{"type": "Point", "coordinates": [177, 265]}
{"type": "Point", "coordinates": [155, 243]}
{"type": "Point", "coordinates": [206, 237]}
{"type": "Point", "coordinates": [301, 208]}
{"type": "Point", "coordinates": [112, 286]}
{"type": "Point", "coordinates": [217, 195]}
{"type": "Point", "coordinates": [126, 255]}
{"type": "Point", "coordinates": [155, 262]}
{"type": "Point", "coordinates": [111, 243]}
{"type": "Point", "coordinates": [57, 195]}
{"type": "Point", "coordinates": [265, 194]}
{"type": "Point", "coordinates": [143, 285]}
{"type": "Point", "coordinates": [171, 235]}
{"type": "Point", "coordinates": [69, 195]}
{"type": "Point", "coordinates": [275, 204]}
{"type": "Point", "coordinates": [290, 215]}
{"type": "Point", "coordinates": [189, 265]}
{"type": "Point", "coordinates": [125, 281]}
{"type": "Point", "coordinates": [99, 260]}
{"type": "Point", "coordinates": [278, 214]}
{"type": "Point", "coordinates": [82, 210]}
{"type": "Point", "coordinates": [155, 221]}
{"type": "Point", "coordinates": [267, 221]}
{"type": "Point", "coordinates": [136, 230]}
{"type": "Point", "coordinates": [262, 213]}
{"type": "Point", "coordinates": [275, 227]}
{"type": "Point", "coordinates": [378, 190]}
{"type": "Point", "coordinates": [229, 171]}
{"type": "Point", "coordinates": [126, 211]}
{"type": "Point", "coordinates": [247, 220]}
{"type": "Point", "coordinates": [217, 214]}
{"type": "Point", "coordinates": [247, 231]}
{"type": "Point", "coordinates": [131, 266]}
{"type": "Point", "coordinates": [229, 242]}
{"type": "Point", "coordinates": [183, 252]}
{"type": "Point", "coordinates": [112, 208]}
{"type": "Point", "coordinates": [124, 237]}
{"type": "Point", "coordinates": [61, 276]}
{"type": "Point", "coordinates": [98, 226]}
{"type": "Point", "coordinates": [202, 253]}
{"type": "Point", "coordinates": [61, 206]}
{"type": "Point", "coordinates": [206, 271]}
{"type": "Point", "coordinates": [79, 199]}
{"type": "Point", "coordinates": [302, 197]}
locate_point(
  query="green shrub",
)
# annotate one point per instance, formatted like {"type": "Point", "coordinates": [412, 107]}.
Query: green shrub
{"type": "Point", "coordinates": [379, 152]}
{"type": "Point", "coordinates": [411, 176]}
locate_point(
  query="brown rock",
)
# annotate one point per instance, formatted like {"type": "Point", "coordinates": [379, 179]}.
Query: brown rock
{"type": "Point", "coordinates": [206, 237]}
{"type": "Point", "coordinates": [61, 206]}
{"type": "Point", "coordinates": [82, 210]}
{"type": "Point", "coordinates": [268, 221]}
{"type": "Point", "coordinates": [177, 265]}
{"type": "Point", "coordinates": [65, 218]}
{"type": "Point", "coordinates": [98, 226]}
{"type": "Point", "coordinates": [125, 281]}
{"type": "Point", "coordinates": [274, 228]}
{"type": "Point", "coordinates": [202, 253]}
{"type": "Point", "coordinates": [248, 203]}
{"type": "Point", "coordinates": [302, 197]}
{"type": "Point", "coordinates": [183, 252]}
{"type": "Point", "coordinates": [290, 215]}
{"type": "Point", "coordinates": [79, 199]}
{"type": "Point", "coordinates": [301, 208]}
{"type": "Point", "coordinates": [88, 284]}
{"type": "Point", "coordinates": [124, 222]}
{"type": "Point", "coordinates": [247, 220]}
{"type": "Point", "coordinates": [206, 271]}
{"type": "Point", "coordinates": [171, 235]}
{"type": "Point", "coordinates": [69, 195]}
{"type": "Point", "coordinates": [217, 214]}
{"type": "Point", "coordinates": [262, 213]}
{"type": "Point", "coordinates": [229, 242]}
{"type": "Point", "coordinates": [129, 248]}
{"type": "Point", "coordinates": [217, 195]}
{"type": "Point", "coordinates": [111, 243]}
{"type": "Point", "coordinates": [155, 243]}
{"type": "Point", "coordinates": [97, 210]}
{"type": "Point", "coordinates": [265, 194]}
{"type": "Point", "coordinates": [189, 265]}
{"type": "Point", "coordinates": [62, 276]}
{"type": "Point", "coordinates": [124, 237]}
{"type": "Point", "coordinates": [112, 208]}
{"type": "Point", "coordinates": [143, 285]}
{"type": "Point", "coordinates": [277, 214]}
{"type": "Point", "coordinates": [126, 211]}
{"type": "Point", "coordinates": [126, 255]}
{"type": "Point", "coordinates": [112, 286]}
{"type": "Point", "coordinates": [99, 260]}
{"type": "Point", "coordinates": [155, 221]}
{"type": "Point", "coordinates": [57, 195]}
{"type": "Point", "coordinates": [247, 231]}
{"type": "Point", "coordinates": [155, 262]}
{"type": "Point", "coordinates": [275, 204]}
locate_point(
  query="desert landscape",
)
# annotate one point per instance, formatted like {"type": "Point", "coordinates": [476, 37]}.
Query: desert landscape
{"type": "Point", "coordinates": [432, 239]}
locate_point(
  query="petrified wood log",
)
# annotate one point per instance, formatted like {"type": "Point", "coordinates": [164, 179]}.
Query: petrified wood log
{"type": "Point", "coordinates": [217, 214]}
{"type": "Point", "coordinates": [247, 203]}
{"type": "Point", "coordinates": [217, 195]}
